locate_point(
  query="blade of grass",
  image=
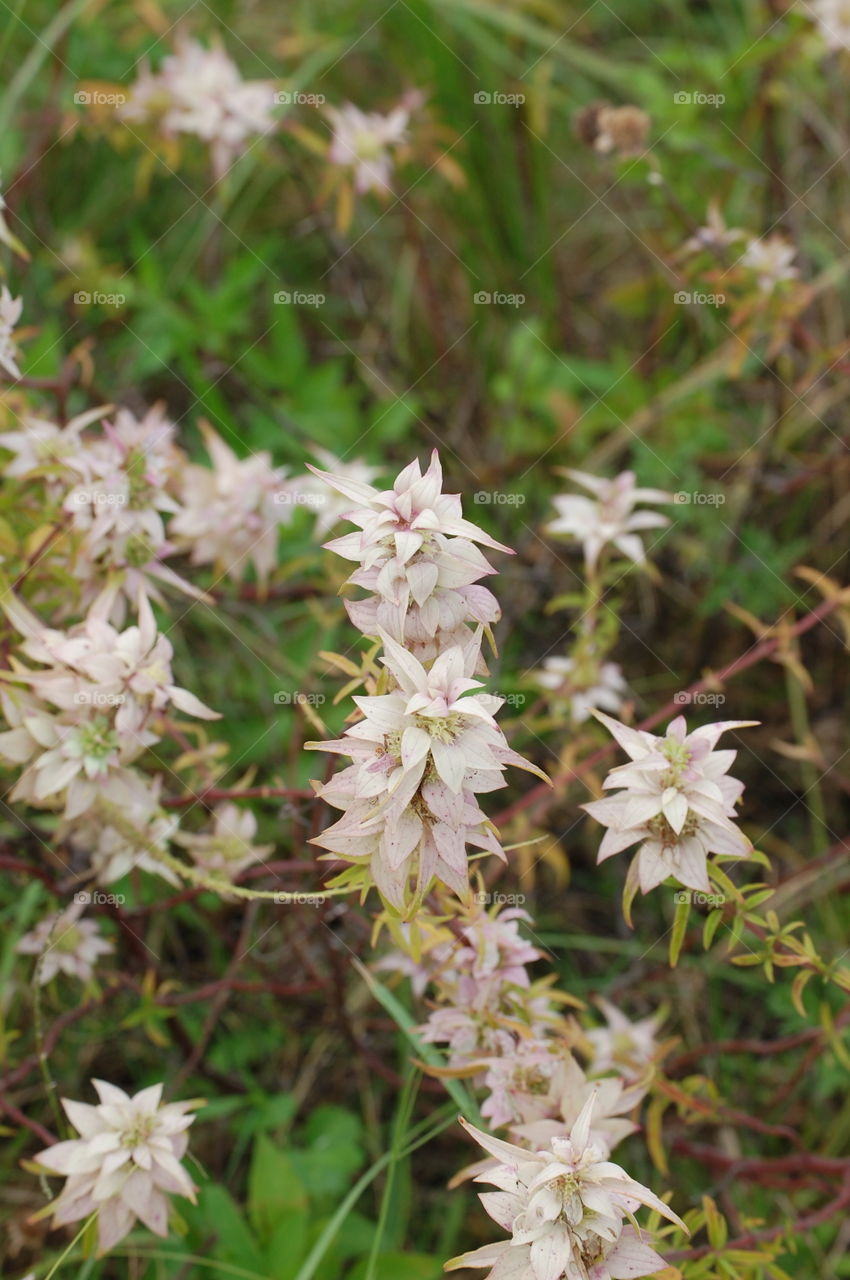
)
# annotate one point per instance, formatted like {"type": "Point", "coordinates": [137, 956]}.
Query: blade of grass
{"type": "Point", "coordinates": [460, 1095]}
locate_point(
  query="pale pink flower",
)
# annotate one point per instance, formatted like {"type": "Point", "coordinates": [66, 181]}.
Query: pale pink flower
{"type": "Point", "coordinates": [566, 1209]}
{"type": "Point", "coordinates": [311, 491]}
{"type": "Point", "coordinates": [676, 801]}
{"type": "Point", "coordinates": [124, 829]}
{"type": "Point", "coordinates": [365, 142]}
{"type": "Point", "coordinates": [228, 848]}
{"type": "Point", "coordinates": [495, 947]}
{"type": "Point", "coordinates": [420, 753]}
{"type": "Point", "coordinates": [587, 683]}
{"type": "Point", "coordinates": [66, 944]}
{"type": "Point", "coordinates": [520, 1082]}
{"type": "Point", "coordinates": [124, 1164]}
{"type": "Point", "coordinates": [94, 665]}
{"type": "Point", "coordinates": [69, 760]}
{"type": "Point", "coordinates": [491, 1016]}
{"type": "Point", "coordinates": [608, 518]}
{"type": "Point", "coordinates": [115, 488]}
{"type": "Point", "coordinates": [715, 235]}
{"type": "Point", "coordinates": [40, 445]}
{"type": "Point", "coordinates": [10, 314]}
{"type": "Point", "coordinates": [201, 91]}
{"type": "Point", "coordinates": [106, 686]}
{"type": "Point", "coordinates": [230, 514]}
{"type": "Point", "coordinates": [629, 1048]}
{"type": "Point", "coordinates": [539, 1090]}
{"type": "Point", "coordinates": [400, 840]}
{"type": "Point", "coordinates": [551, 1113]}
{"type": "Point", "coordinates": [833, 21]}
{"type": "Point", "coordinates": [418, 558]}
{"type": "Point", "coordinates": [488, 944]}
{"type": "Point", "coordinates": [771, 258]}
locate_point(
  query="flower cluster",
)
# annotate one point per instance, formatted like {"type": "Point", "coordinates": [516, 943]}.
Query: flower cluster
{"type": "Point", "coordinates": [675, 799]}
{"type": "Point", "coordinates": [124, 1164]}
{"type": "Point", "coordinates": [566, 1207]}
{"type": "Point", "coordinates": [90, 711]}
{"type": "Point", "coordinates": [506, 1033]}
{"type": "Point", "coordinates": [498, 1025]}
{"type": "Point", "coordinates": [425, 748]}
{"type": "Point", "coordinates": [228, 848]}
{"type": "Point", "coordinates": [129, 500]}
{"type": "Point", "coordinates": [421, 753]}
{"type": "Point", "coordinates": [65, 944]}
{"type": "Point", "coordinates": [608, 518]}
{"type": "Point", "coordinates": [201, 92]}
{"type": "Point", "coordinates": [114, 500]}
{"type": "Point", "coordinates": [230, 513]}
{"type": "Point", "coordinates": [417, 558]}
{"type": "Point", "coordinates": [366, 142]}
{"type": "Point", "coordinates": [832, 18]}
{"type": "Point", "coordinates": [585, 682]}
{"type": "Point", "coordinates": [771, 259]}
{"type": "Point", "coordinates": [625, 1047]}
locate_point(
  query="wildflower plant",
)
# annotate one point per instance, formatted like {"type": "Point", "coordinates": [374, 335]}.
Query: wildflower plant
{"type": "Point", "coordinates": [203, 401]}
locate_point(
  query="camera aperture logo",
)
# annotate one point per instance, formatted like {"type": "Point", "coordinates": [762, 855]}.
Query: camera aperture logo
{"type": "Point", "coordinates": [298, 498]}
{"type": "Point", "coordinates": [696, 898]}
{"type": "Point", "coordinates": [485, 298]}
{"type": "Point", "coordinates": [297, 298]}
{"type": "Point", "coordinates": [498, 497]}
{"type": "Point", "coordinates": [684, 298]}
{"type": "Point", "coordinates": [687, 97]}
{"type": "Point", "coordinates": [97, 898]}
{"type": "Point", "coordinates": [499, 899]}
{"type": "Point", "coordinates": [83, 298]}
{"type": "Point", "coordinates": [699, 498]}
{"type": "Point", "coordinates": [298, 98]}
{"type": "Point", "coordinates": [488, 98]}
{"type": "Point", "coordinates": [98, 98]}
{"type": "Point", "coordinates": [686, 699]}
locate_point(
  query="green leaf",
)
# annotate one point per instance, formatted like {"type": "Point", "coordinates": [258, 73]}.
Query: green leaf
{"type": "Point", "coordinates": [680, 928]}
{"type": "Point", "coordinates": [710, 928]}
{"type": "Point", "coordinates": [399, 1266]}
{"type": "Point", "coordinates": [287, 1246]}
{"type": "Point", "coordinates": [217, 1214]}
{"type": "Point", "coordinates": [274, 1187]}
